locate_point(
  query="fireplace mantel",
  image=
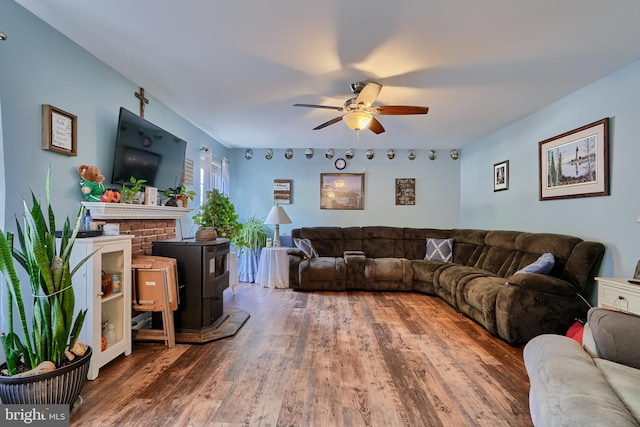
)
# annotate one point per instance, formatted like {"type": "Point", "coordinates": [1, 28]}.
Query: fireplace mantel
{"type": "Point", "coordinates": [129, 211]}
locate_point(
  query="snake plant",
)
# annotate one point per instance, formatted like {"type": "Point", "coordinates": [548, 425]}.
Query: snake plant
{"type": "Point", "coordinates": [52, 327]}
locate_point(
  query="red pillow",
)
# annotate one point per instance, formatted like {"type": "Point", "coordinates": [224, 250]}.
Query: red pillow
{"type": "Point", "coordinates": [575, 331]}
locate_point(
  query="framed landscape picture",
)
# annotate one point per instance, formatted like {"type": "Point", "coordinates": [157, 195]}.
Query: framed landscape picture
{"type": "Point", "coordinates": [501, 176]}
{"type": "Point", "coordinates": [342, 191]}
{"type": "Point", "coordinates": [575, 164]}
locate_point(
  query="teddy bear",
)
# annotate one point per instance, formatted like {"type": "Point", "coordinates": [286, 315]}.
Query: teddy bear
{"type": "Point", "coordinates": [91, 183]}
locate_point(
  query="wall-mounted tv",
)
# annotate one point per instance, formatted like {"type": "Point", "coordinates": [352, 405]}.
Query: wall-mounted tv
{"type": "Point", "coordinates": [146, 151]}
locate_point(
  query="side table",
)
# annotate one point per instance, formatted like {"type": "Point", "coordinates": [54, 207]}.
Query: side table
{"type": "Point", "coordinates": [273, 268]}
{"type": "Point", "coordinates": [618, 294]}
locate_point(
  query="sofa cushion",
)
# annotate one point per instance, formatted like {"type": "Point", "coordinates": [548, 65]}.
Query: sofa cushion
{"type": "Point", "coordinates": [306, 246]}
{"type": "Point", "coordinates": [543, 265]}
{"type": "Point", "coordinates": [624, 381]}
{"type": "Point", "coordinates": [439, 250]}
{"type": "Point", "coordinates": [615, 335]}
{"type": "Point", "coordinates": [567, 388]}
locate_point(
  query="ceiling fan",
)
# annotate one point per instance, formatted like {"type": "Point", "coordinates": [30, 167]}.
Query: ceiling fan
{"type": "Point", "coordinates": [359, 111]}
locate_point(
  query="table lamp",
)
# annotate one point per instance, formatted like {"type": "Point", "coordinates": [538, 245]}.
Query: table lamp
{"type": "Point", "coordinates": [277, 216]}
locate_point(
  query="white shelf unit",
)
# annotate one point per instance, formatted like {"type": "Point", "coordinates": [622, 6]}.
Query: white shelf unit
{"type": "Point", "coordinates": [113, 256]}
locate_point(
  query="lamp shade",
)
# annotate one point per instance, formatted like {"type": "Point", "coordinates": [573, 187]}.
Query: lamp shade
{"type": "Point", "coordinates": [357, 120]}
{"type": "Point", "coordinates": [277, 215]}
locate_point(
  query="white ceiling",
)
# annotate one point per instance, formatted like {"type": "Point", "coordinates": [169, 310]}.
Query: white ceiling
{"type": "Point", "coordinates": [234, 68]}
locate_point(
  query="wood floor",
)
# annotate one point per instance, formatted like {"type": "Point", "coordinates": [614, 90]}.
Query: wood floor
{"type": "Point", "coordinates": [320, 359]}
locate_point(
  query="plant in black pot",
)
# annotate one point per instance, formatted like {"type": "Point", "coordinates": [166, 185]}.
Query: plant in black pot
{"type": "Point", "coordinates": [216, 217]}
{"type": "Point", "coordinates": [44, 362]}
{"type": "Point", "coordinates": [179, 196]}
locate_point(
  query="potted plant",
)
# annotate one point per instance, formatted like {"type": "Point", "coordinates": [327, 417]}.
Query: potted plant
{"type": "Point", "coordinates": [252, 236]}
{"type": "Point", "coordinates": [46, 364]}
{"type": "Point", "coordinates": [179, 196]}
{"type": "Point", "coordinates": [217, 216]}
{"type": "Point", "coordinates": [132, 194]}
{"type": "Point", "coordinates": [248, 243]}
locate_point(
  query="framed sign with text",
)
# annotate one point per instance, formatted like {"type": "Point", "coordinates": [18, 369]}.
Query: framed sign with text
{"type": "Point", "coordinates": [59, 131]}
{"type": "Point", "coordinates": [282, 190]}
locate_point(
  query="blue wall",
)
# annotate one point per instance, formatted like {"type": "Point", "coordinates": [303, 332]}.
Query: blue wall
{"type": "Point", "coordinates": [39, 65]}
{"type": "Point", "coordinates": [437, 188]}
{"type": "Point", "coordinates": [608, 219]}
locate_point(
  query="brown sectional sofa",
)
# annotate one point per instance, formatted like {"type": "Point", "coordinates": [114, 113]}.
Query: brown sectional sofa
{"type": "Point", "coordinates": [479, 282]}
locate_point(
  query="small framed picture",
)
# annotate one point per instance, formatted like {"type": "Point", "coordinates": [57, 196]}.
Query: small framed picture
{"type": "Point", "coordinates": [501, 176]}
{"type": "Point", "coordinates": [59, 131]}
{"type": "Point", "coordinates": [151, 196]}
{"type": "Point", "coordinates": [636, 275]}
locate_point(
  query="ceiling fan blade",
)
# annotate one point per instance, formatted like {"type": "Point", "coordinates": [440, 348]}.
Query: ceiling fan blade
{"type": "Point", "coordinates": [368, 94]}
{"type": "Point", "coordinates": [329, 123]}
{"type": "Point", "coordinates": [328, 107]}
{"type": "Point", "coordinates": [399, 110]}
{"type": "Point", "coordinates": [375, 126]}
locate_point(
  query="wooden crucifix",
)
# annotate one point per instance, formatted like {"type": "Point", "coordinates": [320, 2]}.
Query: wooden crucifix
{"type": "Point", "coordinates": [143, 101]}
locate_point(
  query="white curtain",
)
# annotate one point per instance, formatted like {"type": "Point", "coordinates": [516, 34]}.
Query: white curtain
{"type": "Point", "coordinates": [206, 175]}
{"type": "Point", "coordinates": [225, 176]}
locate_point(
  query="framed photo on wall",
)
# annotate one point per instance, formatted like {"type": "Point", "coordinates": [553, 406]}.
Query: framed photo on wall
{"type": "Point", "coordinates": [576, 163]}
{"type": "Point", "coordinates": [342, 191]}
{"type": "Point", "coordinates": [501, 176]}
{"type": "Point", "coordinates": [59, 131]}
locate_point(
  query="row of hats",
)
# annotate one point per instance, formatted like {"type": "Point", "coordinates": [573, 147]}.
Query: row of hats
{"type": "Point", "coordinates": [308, 153]}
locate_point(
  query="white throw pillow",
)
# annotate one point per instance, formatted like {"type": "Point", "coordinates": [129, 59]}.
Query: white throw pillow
{"type": "Point", "coordinates": [305, 246]}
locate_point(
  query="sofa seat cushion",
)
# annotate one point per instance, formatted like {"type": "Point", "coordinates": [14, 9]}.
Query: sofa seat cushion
{"type": "Point", "coordinates": [625, 381]}
{"type": "Point", "coordinates": [423, 270]}
{"type": "Point", "coordinates": [567, 388]}
{"type": "Point", "coordinates": [323, 273]}
{"type": "Point", "coordinates": [447, 280]}
{"type": "Point", "coordinates": [389, 274]}
{"type": "Point", "coordinates": [477, 299]}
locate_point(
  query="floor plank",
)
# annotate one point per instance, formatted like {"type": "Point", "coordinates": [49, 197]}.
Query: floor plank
{"type": "Point", "coordinates": [320, 359]}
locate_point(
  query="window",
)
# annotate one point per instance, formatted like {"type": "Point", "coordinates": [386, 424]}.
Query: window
{"type": "Point", "coordinates": [214, 174]}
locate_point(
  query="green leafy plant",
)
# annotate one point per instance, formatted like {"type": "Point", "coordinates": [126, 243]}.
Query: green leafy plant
{"type": "Point", "coordinates": [178, 193]}
{"type": "Point", "coordinates": [52, 328]}
{"type": "Point", "coordinates": [252, 236]}
{"type": "Point", "coordinates": [128, 194]}
{"type": "Point", "coordinates": [217, 211]}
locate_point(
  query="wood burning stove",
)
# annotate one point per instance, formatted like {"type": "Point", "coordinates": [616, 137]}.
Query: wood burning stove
{"type": "Point", "coordinates": [202, 277]}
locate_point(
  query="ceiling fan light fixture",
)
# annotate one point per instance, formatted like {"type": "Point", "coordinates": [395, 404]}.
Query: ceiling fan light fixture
{"type": "Point", "coordinates": [357, 120]}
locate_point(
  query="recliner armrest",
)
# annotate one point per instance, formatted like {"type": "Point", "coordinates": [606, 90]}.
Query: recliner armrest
{"type": "Point", "coordinates": [296, 252]}
{"type": "Point", "coordinates": [542, 283]}
{"type": "Point", "coordinates": [615, 335]}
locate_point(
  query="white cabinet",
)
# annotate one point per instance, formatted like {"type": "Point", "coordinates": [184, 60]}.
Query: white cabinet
{"type": "Point", "coordinates": [618, 294]}
{"type": "Point", "coordinates": [113, 256]}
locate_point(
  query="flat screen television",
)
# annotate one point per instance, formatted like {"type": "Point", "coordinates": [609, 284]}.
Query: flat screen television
{"type": "Point", "coordinates": [146, 151]}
